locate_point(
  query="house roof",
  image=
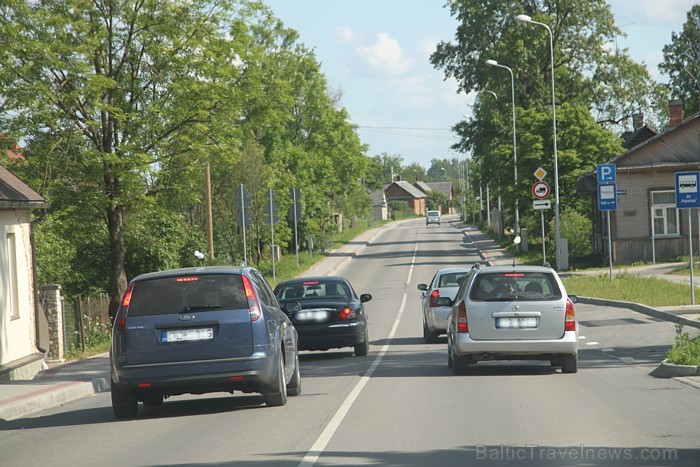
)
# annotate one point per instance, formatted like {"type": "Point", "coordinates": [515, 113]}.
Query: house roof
{"type": "Point", "coordinates": [675, 149]}
{"type": "Point", "coordinates": [410, 190]}
{"type": "Point", "coordinates": [15, 194]}
{"type": "Point", "coordinates": [637, 137]}
{"type": "Point", "coordinates": [423, 186]}
{"type": "Point", "coordinates": [444, 187]}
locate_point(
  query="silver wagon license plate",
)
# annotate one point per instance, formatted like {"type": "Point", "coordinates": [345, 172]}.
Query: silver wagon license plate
{"type": "Point", "coordinates": [516, 323]}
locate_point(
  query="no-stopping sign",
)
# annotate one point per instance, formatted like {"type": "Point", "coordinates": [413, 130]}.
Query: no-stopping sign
{"type": "Point", "coordinates": [541, 190]}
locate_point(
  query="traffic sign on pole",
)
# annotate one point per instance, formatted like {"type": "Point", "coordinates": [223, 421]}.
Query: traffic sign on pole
{"type": "Point", "coordinates": [606, 173]}
{"type": "Point", "coordinates": [539, 204]}
{"type": "Point", "coordinates": [687, 190]}
{"type": "Point", "coordinates": [541, 190]}
{"type": "Point", "coordinates": [607, 197]}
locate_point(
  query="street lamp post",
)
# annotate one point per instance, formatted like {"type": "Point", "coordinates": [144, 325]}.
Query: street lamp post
{"type": "Point", "coordinates": [557, 231]}
{"type": "Point", "coordinates": [515, 153]}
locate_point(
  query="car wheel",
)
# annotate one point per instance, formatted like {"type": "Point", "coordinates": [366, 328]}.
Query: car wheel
{"type": "Point", "coordinates": [569, 363]}
{"type": "Point", "coordinates": [294, 386]}
{"type": "Point", "coordinates": [460, 363]}
{"type": "Point", "coordinates": [124, 403]}
{"type": "Point", "coordinates": [362, 349]}
{"type": "Point", "coordinates": [429, 336]}
{"type": "Point", "coordinates": [279, 396]}
{"type": "Point", "coordinates": [153, 401]}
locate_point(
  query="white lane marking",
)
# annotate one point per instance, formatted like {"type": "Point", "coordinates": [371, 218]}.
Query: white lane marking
{"type": "Point", "coordinates": [627, 359]}
{"type": "Point", "coordinates": [581, 337]}
{"type": "Point", "coordinates": [413, 262]}
{"type": "Point", "coordinates": [592, 343]}
{"type": "Point", "coordinates": [324, 438]}
{"type": "Point", "coordinates": [608, 350]}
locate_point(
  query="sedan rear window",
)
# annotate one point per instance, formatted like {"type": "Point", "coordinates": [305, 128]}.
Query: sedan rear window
{"type": "Point", "coordinates": [187, 293]}
{"type": "Point", "coordinates": [312, 289]}
{"type": "Point", "coordinates": [526, 286]}
{"type": "Point", "coordinates": [453, 279]}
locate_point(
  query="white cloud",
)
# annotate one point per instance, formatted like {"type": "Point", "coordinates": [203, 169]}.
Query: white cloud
{"type": "Point", "coordinates": [385, 55]}
{"type": "Point", "coordinates": [345, 34]}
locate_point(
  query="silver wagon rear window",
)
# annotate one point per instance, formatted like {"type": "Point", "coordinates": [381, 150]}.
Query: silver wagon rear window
{"type": "Point", "coordinates": [526, 286]}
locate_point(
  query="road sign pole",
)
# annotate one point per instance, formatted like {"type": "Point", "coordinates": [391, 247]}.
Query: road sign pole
{"type": "Point", "coordinates": [544, 251]}
{"type": "Point", "coordinates": [609, 246]}
{"type": "Point", "coordinates": [296, 228]}
{"type": "Point", "coordinates": [690, 249]}
{"type": "Point", "coordinates": [245, 246]}
{"type": "Point", "coordinates": [272, 236]}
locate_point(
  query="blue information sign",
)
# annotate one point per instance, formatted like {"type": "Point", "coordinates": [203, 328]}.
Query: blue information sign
{"type": "Point", "coordinates": [607, 197]}
{"type": "Point", "coordinates": [687, 195]}
{"type": "Point", "coordinates": [606, 173]}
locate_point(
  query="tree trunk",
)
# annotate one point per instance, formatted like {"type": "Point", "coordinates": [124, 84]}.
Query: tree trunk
{"type": "Point", "coordinates": [117, 255]}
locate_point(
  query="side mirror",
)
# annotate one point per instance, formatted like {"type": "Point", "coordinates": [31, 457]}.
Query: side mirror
{"type": "Point", "coordinates": [573, 298]}
{"type": "Point", "coordinates": [422, 286]}
{"type": "Point", "coordinates": [291, 307]}
{"type": "Point", "coordinates": [365, 297]}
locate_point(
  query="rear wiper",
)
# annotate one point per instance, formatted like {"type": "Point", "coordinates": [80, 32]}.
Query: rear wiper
{"type": "Point", "coordinates": [202, 307]}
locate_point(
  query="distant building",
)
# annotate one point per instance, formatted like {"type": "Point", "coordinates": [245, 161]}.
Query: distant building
{"type": "Point", "coordinates": [405, 192]}
{"type": "Point", "coordinates": [380, 209]}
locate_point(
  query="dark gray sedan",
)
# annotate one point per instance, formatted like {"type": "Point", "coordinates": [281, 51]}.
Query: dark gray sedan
{"type": "Point", "coordinates": [327, 313]}
{"type": "Point", "coordinates": [201, 330]}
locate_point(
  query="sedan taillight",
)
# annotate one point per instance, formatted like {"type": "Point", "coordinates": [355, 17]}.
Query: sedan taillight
{"type": "Point", "coordinates": [462, 325]}
{"type": "Point", "coordinates": [434, 295]}
{"type": "Point", "coordinates": [347, 313]}
{"type": "Point", "coordinates": [570, 320]}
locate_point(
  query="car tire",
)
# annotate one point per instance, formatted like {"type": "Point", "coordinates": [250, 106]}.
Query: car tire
{"type": "Point", "coordinates": [278, 398]}
{"type": "Point", "coordinates": [569, 363]}
{"type": "Point", "coordinates": [449, 356]}
{"type": "Point", "coordinates": [124, 403]}
{"type": "Point", "coordinates": [429, 336]}
{"type": "Point", "coordinates": [460, 364]}
{"type": "Point", "coordinates": [294, 386]}
{"type": "Point", "coordinates": [362, 349]}
{"type": "Point", "coordinates": [153, 401]}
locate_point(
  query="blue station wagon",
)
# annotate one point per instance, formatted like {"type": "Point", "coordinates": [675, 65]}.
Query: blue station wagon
{"type": "Point", "coordinates": [201, 330]}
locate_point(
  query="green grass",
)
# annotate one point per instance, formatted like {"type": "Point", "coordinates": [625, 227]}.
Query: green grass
{"type": "Point", "coordinates": [649, 291]}
{"type": "Point", "coordinates": [685, 351]}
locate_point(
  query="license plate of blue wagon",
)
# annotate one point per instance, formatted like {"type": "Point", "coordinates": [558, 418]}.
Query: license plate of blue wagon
{"type": "Point", "coordinates": [182, 335]}
{"type": "Point", "coordinates": [516, 323]}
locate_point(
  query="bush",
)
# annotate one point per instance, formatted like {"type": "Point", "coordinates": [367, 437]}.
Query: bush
{"type": "Point", "coordinates": [685, 351]}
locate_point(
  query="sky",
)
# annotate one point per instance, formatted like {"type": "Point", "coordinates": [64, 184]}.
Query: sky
{"type": "Point", "coordinates": [376, 53]}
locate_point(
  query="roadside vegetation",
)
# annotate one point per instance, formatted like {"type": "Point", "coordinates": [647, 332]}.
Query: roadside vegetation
{"type": "Point", "coordinates": [685, 350]}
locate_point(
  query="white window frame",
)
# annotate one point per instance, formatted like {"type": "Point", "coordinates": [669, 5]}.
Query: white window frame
{"type": "Point", "coordinates": [665, 207]}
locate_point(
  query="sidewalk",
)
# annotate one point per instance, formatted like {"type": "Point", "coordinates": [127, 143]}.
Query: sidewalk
{"type": "Point", "coordinates": [66, 382]}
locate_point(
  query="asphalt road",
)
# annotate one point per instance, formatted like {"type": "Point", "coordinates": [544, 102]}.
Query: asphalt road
{"type": "Point", "coordinates": [400, 406]}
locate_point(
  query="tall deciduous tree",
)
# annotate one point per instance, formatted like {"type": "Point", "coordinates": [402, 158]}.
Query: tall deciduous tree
{"type": "Point", "coordinates": [114, 95]}
{"type": "Point", "coordinates": [682, 62]}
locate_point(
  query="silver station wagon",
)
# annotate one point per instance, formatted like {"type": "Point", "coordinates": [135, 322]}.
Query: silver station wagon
{"type": "Point", "coordinates": [512, 313]}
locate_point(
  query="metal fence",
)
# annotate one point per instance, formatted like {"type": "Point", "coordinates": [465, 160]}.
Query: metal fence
{"type": "Point", "coordinates": [85, 321]}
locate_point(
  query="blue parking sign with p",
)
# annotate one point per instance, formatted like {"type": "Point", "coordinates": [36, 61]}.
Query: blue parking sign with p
{"type": "Point", "coordinates": [606, 173]}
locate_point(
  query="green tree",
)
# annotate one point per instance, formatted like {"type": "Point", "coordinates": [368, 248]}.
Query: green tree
{"type": "Point", "coordinates": [681, 62]}
{"type": "Point", "coordinates": [116, 98]}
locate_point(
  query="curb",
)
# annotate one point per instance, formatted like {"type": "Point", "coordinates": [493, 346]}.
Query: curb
{"type": "Point", "coordinates": [50, 396]}
{"type": "Point", "coordinates": [647, 310]}
{"type": "Point", "coordinates": [671, 370]}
